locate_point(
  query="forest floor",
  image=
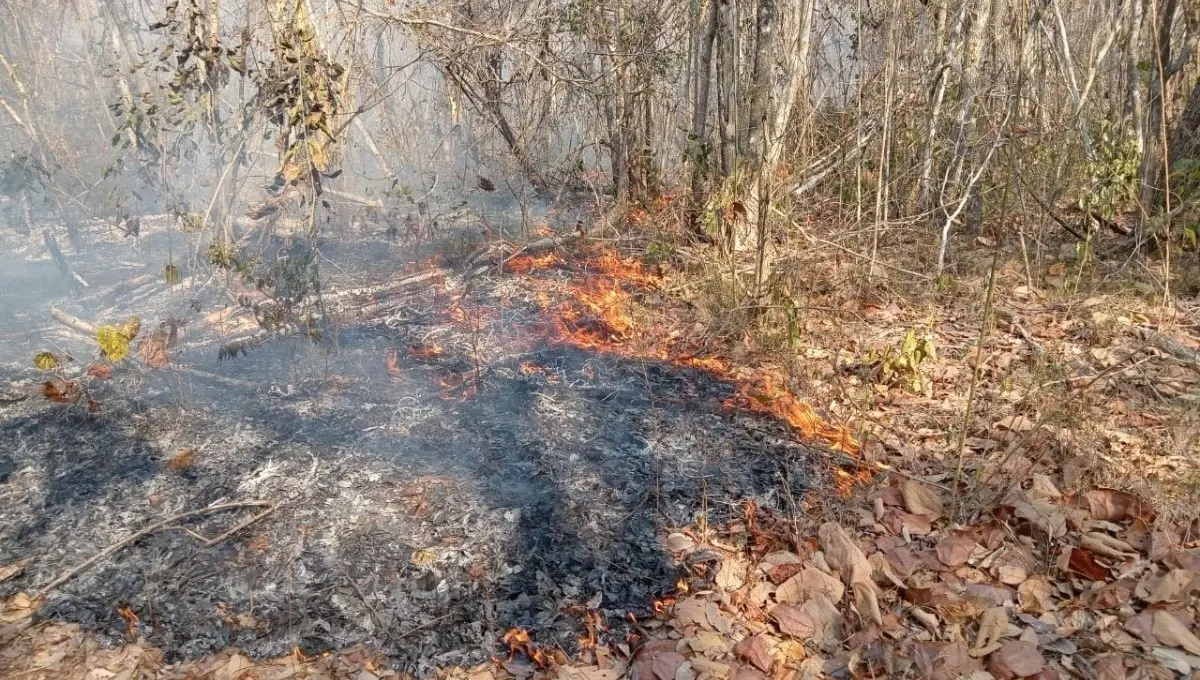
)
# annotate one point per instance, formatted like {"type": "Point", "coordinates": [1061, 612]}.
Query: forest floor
{"type": "Point", "coordinates": [1000, 472]}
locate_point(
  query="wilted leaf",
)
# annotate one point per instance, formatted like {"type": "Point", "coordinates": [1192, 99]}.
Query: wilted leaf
{"type": "Point", "coordinates": [130, 327]}
{"type": "Point", "coordinates": [47, 361]}
{"type": "Point", "coordinates": [1175, 586]}
{"type": "Point", "coordinates": [182, 460]}
{"type": "Point", "coordinates": [867, 601]}
{"type": "Point", "coordinates": [1117, 506]}
{"type": "Point", "coordinates": [810, 580]}
{"type": "Point", "coordinates": [61, 391]}
{"type": "Point", "coordinates": [171, 274]}
{"type": "Point", "coordinates": [291, 172]}
{"type": "Point", "coordinates": [114, 345]}
{"type": "Point", "coordinates": [754, 650]}
{"type": "Point", "coordinates": [919, 499]}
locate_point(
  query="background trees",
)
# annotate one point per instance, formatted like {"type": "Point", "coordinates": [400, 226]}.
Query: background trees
{"type": "Point", "coordinates": [899, 113]}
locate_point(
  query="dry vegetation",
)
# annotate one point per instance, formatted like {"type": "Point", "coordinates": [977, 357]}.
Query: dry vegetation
{"type": "Point", "coordinates": [951, 246]}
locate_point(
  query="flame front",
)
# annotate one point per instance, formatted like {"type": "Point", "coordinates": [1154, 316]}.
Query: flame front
{"type": "Point", "coordinates": [597, 310]}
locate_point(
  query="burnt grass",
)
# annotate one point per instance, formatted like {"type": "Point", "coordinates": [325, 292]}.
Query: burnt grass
{"type": "Point", "coordinates": [412, 517]}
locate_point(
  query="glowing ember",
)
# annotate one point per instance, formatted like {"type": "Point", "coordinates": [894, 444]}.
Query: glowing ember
{"type": "Point", "coordinates": [425, 352]}
{"type": "Point", "coordinates": [523, 264]}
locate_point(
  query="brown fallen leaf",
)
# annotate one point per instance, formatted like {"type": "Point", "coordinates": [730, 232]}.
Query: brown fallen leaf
{"type": "Point", "coordinates": [754, 650]}
{"type": "Point", "coordinates": [1083, 563]}
{"type": "Point", "coordinates": [843, 554]}
{"type": "Point", "coordinates": [920, 499]}
{"type": "Point", "coordinates": [153, 349]}
{"type": "Point", "coordinates": [100, 371]}
{"type": "Point", "coordinates": [1016, 659]}
{"type": "Point", "coordinates": [662, 665]}
{"type": "Point", "coordinates": [954, 549]}
{"type": "Point", "coordinates": [992, 625]}
{"type": "Point", "coordinates": [1174, 587]}
{"type": "Point", "coordinates": [61, 391]}
{"type": "Point", "coordinates": [1035, 595]}
{"type": "Point", "coordinates": [182, 460]}
{"type": "Point", "coordinates": [793, 622]}
{"type": "Point", "coordinates": [1170, 631]}
{"type": "Point", "coordinates": [867, 601]}
{"type": "Point", "coordinates": [13, 570]}
{"type": "Point", "coordinates": [826, 618]}
{"type": "Point", "coordinates": [19, 606]}
{"type": "Point", "coordinates": [1117, 506]}
{"type": "Point", "coordinates": [811, 580]}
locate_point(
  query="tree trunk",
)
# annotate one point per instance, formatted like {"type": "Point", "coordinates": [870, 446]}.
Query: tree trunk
{"type": "Point", "coordinates": [699, 146]}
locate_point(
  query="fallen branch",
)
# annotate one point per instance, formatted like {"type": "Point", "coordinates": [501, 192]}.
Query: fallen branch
{"type": "Point", "coordinates": [122, 287]}
{"type": "Point", "coordinates": [64, 268]}
{"type": "Point", "coordinates": [1164, 343]}
{"type": "Point", "coordinates": [165, 524]}
{"type": "Point", "coordinates": [72, 322]}
{"type": "Point", "coordinates": [236, 382]}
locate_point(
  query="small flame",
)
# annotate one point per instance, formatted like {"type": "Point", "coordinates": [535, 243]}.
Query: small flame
{"type": "Point", "coordinates": [523, 264]}
{"type": "Point", "coordinates": [425, 352]}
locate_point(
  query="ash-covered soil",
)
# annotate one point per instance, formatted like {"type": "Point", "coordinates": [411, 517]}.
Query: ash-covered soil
{"type": "Point", "coordinates": [425, 507]}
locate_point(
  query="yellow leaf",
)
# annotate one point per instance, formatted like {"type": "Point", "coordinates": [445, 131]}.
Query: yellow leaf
{"type": "Point", "coordinates": [291, 172]}
{"type": "Point", "coordinates": [47, 361]}
{"type": "Point", "coordinates": [130, 327]}
{"type": "Point", "coordinates": [316, 154]}
{"type": "Point", "coordinates": [114, 344]}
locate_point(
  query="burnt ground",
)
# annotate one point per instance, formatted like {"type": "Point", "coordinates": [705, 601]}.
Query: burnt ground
{"type": "Point", "coordinates": [423, 519]}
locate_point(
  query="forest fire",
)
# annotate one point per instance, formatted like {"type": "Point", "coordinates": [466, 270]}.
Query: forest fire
{"type": "Point", "coordinates": [598, 310]}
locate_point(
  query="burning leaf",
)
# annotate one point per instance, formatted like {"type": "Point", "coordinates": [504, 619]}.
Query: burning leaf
{"type": "Point", "coordinates": [47, 361]}
{"type": "Point", "coordinates": [754, 650]}
{"type": "Point", "coordinates": [61, 391]}
{"type": "Point", "coordinates": [392, 363]}
{"type": "Point", "coordinates": [100, 371]}
{"type": "Point", "coordinates": [425, 352]}
{"type": "Point", "coordinates": [182, 460]}
{"type": "Point", "coordinates": [1117, 506]}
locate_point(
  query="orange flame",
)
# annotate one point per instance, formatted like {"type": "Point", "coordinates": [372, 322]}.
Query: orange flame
{"type": "Point", "coordinates": [425, 352]}
{"type": "Point", "coordinates": [523, 264]}
{"type": "Point", "coordinates": [598, 313]}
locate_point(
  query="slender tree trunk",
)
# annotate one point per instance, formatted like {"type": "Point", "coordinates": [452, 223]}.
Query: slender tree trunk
{"type": "Point", "coordinates": [701, 148]}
